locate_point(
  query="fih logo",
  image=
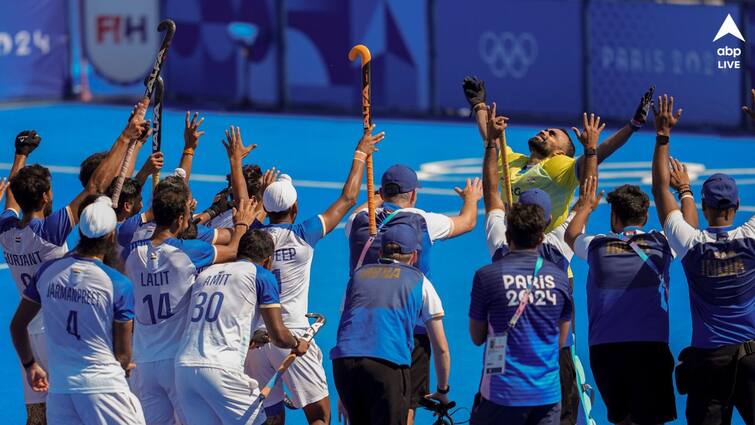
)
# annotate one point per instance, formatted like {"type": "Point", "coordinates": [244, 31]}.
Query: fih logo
{"type": "Point", "coordinates": [508, 54]}
{"type": "Point", "coordinates": [728, 57]}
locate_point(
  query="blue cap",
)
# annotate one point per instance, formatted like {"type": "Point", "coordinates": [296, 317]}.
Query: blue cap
{"type": "Point", "coordinates": [403, 235]}
{"type": "Point", "coordinates": [539, 198]}
{"type": "Point", "coordinates": [720, 192]}
{"type": "Point", "coordinates": [399, 179]}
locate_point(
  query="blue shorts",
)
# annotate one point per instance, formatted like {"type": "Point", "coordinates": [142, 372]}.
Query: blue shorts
{"type": "Point", "coordinates": [488, 412]}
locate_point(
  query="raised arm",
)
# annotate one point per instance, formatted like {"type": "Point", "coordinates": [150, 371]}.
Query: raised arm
{"type": "Point", "coordinates": [137, 129]}
{"type": "Point", "coordinates": [467, 218]}
{"type": "Point", "coordinates": [191, 141]}
{"type": "Point", "coordinates": [333, 215]}
{"type": "Point", "coordinates": [152, 165]}
{"type": "Point", "coordinates": [680, 183]}
{"type": "Point", "coordinates": [234, 147]}
{"type": "Point", "coordinates": [665, 120]}
{"type": "Point", "coordinates": [618, 139]}
{"type": "Point", "coordinates": [26, 142]}
{"type": "Point", "coordinates": [242, 219]}
{"type": "Point", "coordinates": [587, 203]}
{"type": "Point", "coordinates": [589, 137]}
{"type": "Point", "coordinates": [491, 195]}
{"type": "Point", "coordinates": [474, 92]}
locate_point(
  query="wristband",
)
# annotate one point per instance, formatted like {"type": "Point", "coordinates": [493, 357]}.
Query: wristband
{"type": "Point", "coordinates": [359, 159]}
{"type": "Point", "coordinates": [241, 224]}
{"type": "Point", "coordinates": [446, 391]}
{"type": "Point", "coordinates": [591, 152]}
{"type": "Point", "coordinates": [636, 125]}
{"type": "Point", "coordinates": [28, 364]}
{"type": "Point", "coordinates": [686, 195]}
{"type": "Point", "coordinates": [661, 140]}
{"type": "Point", "coordinates": [681, 193]}
{"type": "Point", "coordinates": [188, 151]}
{"type": "Point", "coordinates": [479, 106]}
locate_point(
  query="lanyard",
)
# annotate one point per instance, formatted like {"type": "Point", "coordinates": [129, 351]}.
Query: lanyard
{"type": "Point", "coordinates": [525, 299]}
{"type": "Point", "coordinates": [369, 242]}
{"type": "Point", "coordinates": [663, 287]}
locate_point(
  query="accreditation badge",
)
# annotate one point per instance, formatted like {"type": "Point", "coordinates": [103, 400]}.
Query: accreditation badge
{"type": "Point", "coordinates": [495, 355]}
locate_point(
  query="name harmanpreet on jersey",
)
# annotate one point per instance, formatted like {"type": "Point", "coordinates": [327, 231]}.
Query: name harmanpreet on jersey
{"type": "Point", "coordinates": [556, 176]}
{"type": "Point", "coordinates": [26, 249]}
{"type": "Point", "coordinates": [720, 267]}
{"type": "Point", "coordinates": [225, 303]}
{"type": "Point", "coordinates": [162, 277]}
{"type": "Point", "coordinates": [292, 262]}
{"type": "Point", "coordinates": [81, 298]}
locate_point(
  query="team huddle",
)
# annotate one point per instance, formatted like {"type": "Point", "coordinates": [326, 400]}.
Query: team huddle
{"type": "Point", "coordinates": [166, 315]}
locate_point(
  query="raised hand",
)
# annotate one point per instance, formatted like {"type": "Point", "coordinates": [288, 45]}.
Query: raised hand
{"type": "Point", "coordinates": [27, 141]}
{"type": "Point", "coordinates": [643, 109]}
{"type": "Point", "coordinates": [191, 130]}
{"type": "Point", "coordinates": [496, 124]}
{"type": "Point", "coordinates": [587, 194]}
{"type": "Point", "coordinates": [472, 190]}
{"type": "Point", "coordinates": [368, 141]}
{"type": "Point", "coordinates": [665, 118]}
{"type": "Point", "coordinates": [588, 137]}
{"type": "Point", "coordinates": [747, 110]}
{"type": "Point", "coordinates": [270, 176]}
{"type": "Point", "coordinates": [154, 163]}
{"type": "Point", "coordinates": [474, 90]}
{"type": "Point", "coordinates": [245, 214]}
{"type": "Point", "coordinates": [234, 146]}
{"type": "Point", "coordinates": [679, 176]}
{"type": "Point", "coordinates": [138, 128]}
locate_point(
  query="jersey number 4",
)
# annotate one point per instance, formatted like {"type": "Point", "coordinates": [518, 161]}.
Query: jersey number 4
{"type": "Point", "coordinates": [72, 324]}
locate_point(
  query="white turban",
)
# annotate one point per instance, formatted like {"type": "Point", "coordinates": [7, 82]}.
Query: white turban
{"type": "Point", "coordinates": [98, 219]}
{"type": "Point", "coordinates": [280, 195]}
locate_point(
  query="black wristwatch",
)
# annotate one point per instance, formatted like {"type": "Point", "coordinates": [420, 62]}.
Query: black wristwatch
{"type": "Point", "coordinates": [28, 364]}
{"type": "Point", "coordinates": [446, 391]}
{"type": "Point", "coordinates": [591, 152]}
{"type": "Point", "coordinates": [662, 140]}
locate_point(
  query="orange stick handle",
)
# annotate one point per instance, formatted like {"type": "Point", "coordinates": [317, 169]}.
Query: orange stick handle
{"type": "Point", "coordinates": [506, 177]}
{"type": "Point", "coordinates": [361, 51]}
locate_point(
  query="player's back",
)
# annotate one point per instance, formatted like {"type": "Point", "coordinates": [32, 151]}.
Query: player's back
{"type": "Point", "coordinates": [26, 249]}
{"type": "Point", "coordinates": [292, 262]}
{"type": "Point", "coordinates": [81, 298]}
{"type": "Point", "coordinates": [225, 302]}
{"type": "Point", "coordinates": [162, 276]}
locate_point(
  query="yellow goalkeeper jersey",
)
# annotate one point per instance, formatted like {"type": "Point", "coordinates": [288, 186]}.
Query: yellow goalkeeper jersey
{"type": "Point", "coordinates": [556, 176]}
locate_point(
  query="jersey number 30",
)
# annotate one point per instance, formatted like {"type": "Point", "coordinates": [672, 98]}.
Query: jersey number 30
{"type": "Point", "coordinates": [211, 310]}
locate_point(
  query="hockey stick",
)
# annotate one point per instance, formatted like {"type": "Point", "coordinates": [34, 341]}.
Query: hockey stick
{"type": "Point", "coordinates": [170, 30]}
{"type": "Point", "coordinates": [311, 332]}
{"type": "Point", "coordinates": [361, 51]}
{"type": "Point", "coordinates": [122, 173]}
{"type": "Point", "coordinates": [157, 119]}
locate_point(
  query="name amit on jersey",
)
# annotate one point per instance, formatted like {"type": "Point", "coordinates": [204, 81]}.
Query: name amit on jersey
{"type": "Point", "coordinates": [154, 279]}
{"type": "Point", "coordinates": [217, 279]}
{"type": "Point", "coordinates": [29, 259]}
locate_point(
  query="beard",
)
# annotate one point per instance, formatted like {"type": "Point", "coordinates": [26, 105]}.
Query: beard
{"type": "Point", "coordinates": [539, 147]}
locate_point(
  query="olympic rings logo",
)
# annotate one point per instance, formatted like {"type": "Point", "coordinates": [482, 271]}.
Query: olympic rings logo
{"type": "Point", "coordinates": [508, 54]}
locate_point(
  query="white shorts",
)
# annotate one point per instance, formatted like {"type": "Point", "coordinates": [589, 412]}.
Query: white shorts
{"type": "Point", "coordinates": [305, 378]}
{"type": "Point", "coordinates": [212, 396]}
{"type": "Point", "coordinates": [94, 409]}
{"type": "Point", "coordinates": [155, 385]}
{"type": "Point", "coordinates": [39, 348]}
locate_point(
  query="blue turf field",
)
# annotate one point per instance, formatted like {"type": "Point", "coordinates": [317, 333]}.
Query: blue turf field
{"type": "Point", "coordinates": [316, 152]}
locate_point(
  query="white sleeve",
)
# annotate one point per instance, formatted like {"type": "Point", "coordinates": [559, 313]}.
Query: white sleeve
{"type": "Point", "coordinates": [581, 245]}
{"type": "Point", "coordinates": [349, 222]}
{"type": "Point", "coordinates": [680, 234]}
{"type": "Point", "coordinates": [749, 228]}
{"type": "Point", "coordinates": [431, 305]}
{"type": "Point", "coordinates": [495, 230]}
{"type": "Point", "coordinates": [439, 226]}
{"type": "Point", "coordinates": [556, 238]}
